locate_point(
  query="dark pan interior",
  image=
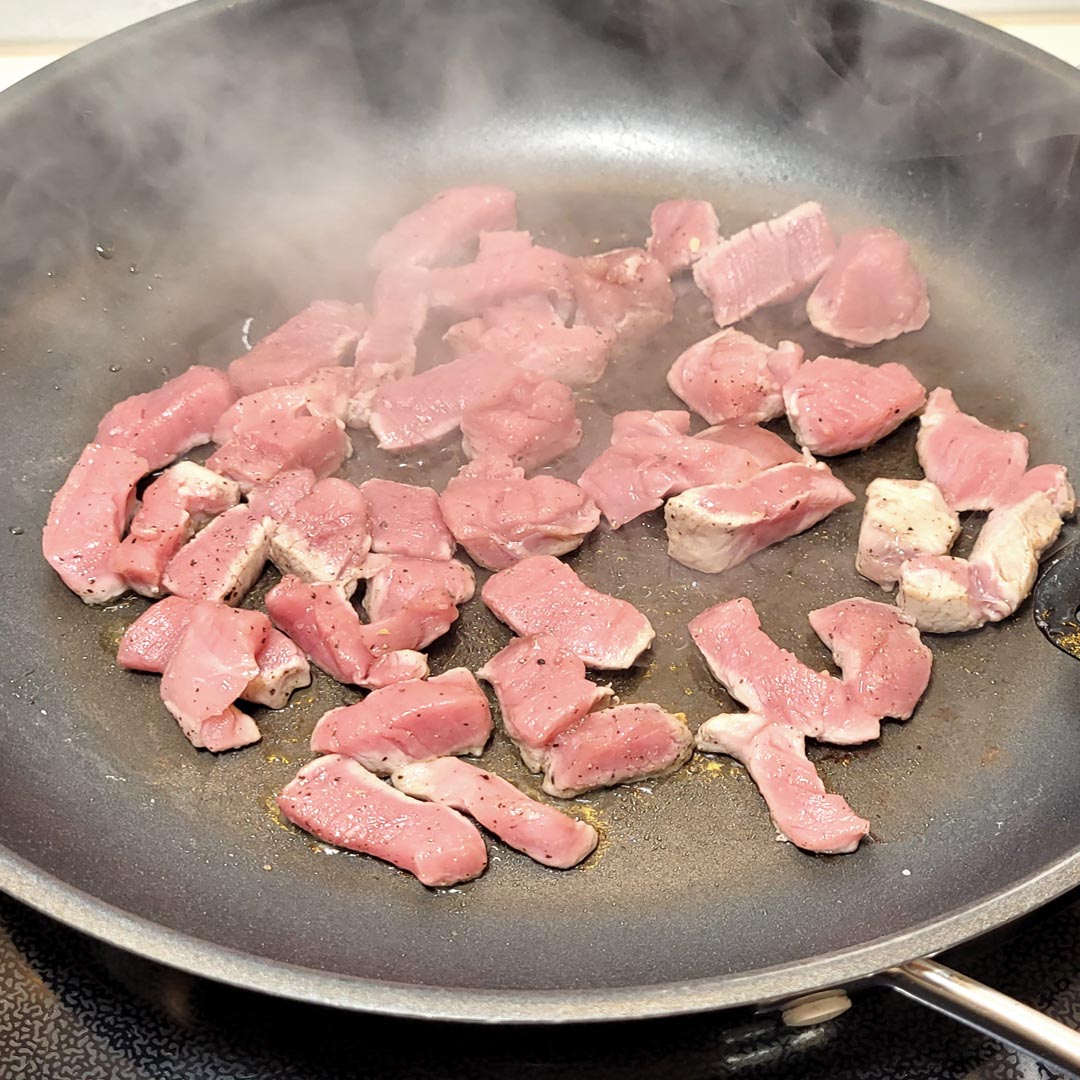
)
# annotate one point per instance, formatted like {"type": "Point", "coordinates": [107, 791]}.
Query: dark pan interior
{"type": "Point", "coordinates": [234, 161]}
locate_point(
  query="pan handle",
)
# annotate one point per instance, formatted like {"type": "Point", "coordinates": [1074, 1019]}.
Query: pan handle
{"type": "Point", "coordinates": [996, 1014]}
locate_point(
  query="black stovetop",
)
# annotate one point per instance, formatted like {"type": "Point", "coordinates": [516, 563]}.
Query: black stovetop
{"type": "Point", "coordinates": [74, 1009]}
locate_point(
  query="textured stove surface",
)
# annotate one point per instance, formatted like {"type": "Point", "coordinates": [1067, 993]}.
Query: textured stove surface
{"type": "Point", "coordinates": [73, 1009]}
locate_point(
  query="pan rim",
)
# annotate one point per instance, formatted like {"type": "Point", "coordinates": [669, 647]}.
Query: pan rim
{"type": "Point", "coordinates": [136, 934]}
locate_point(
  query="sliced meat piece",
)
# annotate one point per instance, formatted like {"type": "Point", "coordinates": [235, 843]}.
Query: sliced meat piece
{"type": "Point", "coordinates": [975, 466]}
{"type": "Point", "coordinates": [717, 527]}
{"type": "Point", "coordinates": [166, 423]}
{"type": "Point", "coordinates": [638, 423]}
{"type": "Point", "coordinates": [835, 405]}
{"type": "Point", "coordinates": [340, 802]}
{"type": "Point", "coordinates": [409, 721]}
{"type": "Point", "coordinates": [937, 592]}
{"type": "Point", "coordinates": [438, 231]}
{"type": "Point", "coordinates": [395, 581]}
{"type": "Point", "coordinates": [325, 536]}
{"type": "Point", "coordinates": [542, 690]}
{"type": "Point", "coordinates": [495, 242]}
{"type": "Point", "coordinates": [323, 335]}
{"type": "Point", "coordinates": [406, 520]}
{"type": "Point", "coordinates": [732, 378]}
{"type": "Point", "coordinates": [211, 666]}
{"type": "Point", "coordinates": [542, 595]}
{"type": "Point", "coordinates": [773, 683]}
{"type": "Point", "coordinates": [498, 516]}
{"type": "Point", "coordinates": [325, 393]}
{"type": "Point", "coordinates": [540, 831]}
{"type": "Point", "coordinates": [871, 291]}
{"type": "Point", "coordinates": [525, 418]}
{"type": "Point", "coordinates": [283, 668]}
{"type": "Point", "coordinates": [397, 666]}
{"type": "Point", "coordinates": [273, 500]}
{"type": "Point", "coordinates": [174, 507]}
{"type": "Point", "coordinates": [223, 561]}
{"type": "Point", "coordinates": [682, 230]}
{"type": "Point", "coordinates": [903, 519]}
{"type": "Point", "coordinates": [764, 446]}
{"type": "Point", "coordinates": [775, 756]}
{"type": "Point", "coordinates": [1051, 481]}
{"type": "Point", "coordinates": [768, 263]}
{"type": "Point", "coordinates": [616, 746]}
{"type": "Point", "coordinates": [87, 519]}
{"type": "Point", "coordinates": [879, 651]}
{"type": "Point", "coordinates": [625, 291]}
{"type": "Point", "coordinates": [258, 454]}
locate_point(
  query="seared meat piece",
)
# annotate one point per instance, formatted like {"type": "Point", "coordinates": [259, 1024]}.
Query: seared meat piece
{"type": "Point", "coordinates": [406, 520]}
{"type": "Point", "coordinates": [626, 292]}
{"type": "Point", "coordinates": [764, 447]}
{"type": "Point", "coordinates": [273, 500]}
{"type": "Point", "coordinates": [682, 230]}
{"type": "Point", "coordinates": [395, 581]}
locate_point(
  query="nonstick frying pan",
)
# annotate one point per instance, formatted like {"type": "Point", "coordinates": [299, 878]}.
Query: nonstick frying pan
{"type": "Point", "coordinates": [199, 178]}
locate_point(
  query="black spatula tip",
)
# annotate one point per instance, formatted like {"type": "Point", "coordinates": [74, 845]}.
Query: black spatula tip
{"type": "Point", "coordinates": [1057, 597]}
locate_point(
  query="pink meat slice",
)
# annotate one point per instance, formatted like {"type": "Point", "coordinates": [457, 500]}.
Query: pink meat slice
{"type": "Point", "coordinates": [717, 527]}
{"type": "Point", "coordinates": [625, 291]}
{"type": "Point", "coordinates": [498, 516]}
{"type": "Point", "coordinates": [682, 230]}
{"type": "Point", "coordinates": [732, 378]}
{"type": "Point", "coordinates": [879, 651]}
{"type": "Point", "coordinates": [616, 746]}
{"type": "Point", "coordinates": [1052, 481]}
{"type": "Point", "coordinates": [174, 507]}
{"type": "Point", "coordinates": [871, 292]}
{"type": "Point", "coordinates": [410, 721]}
{"type": "Point", "coordinates": [323, 335]}
{"type": "Point", "coordinates": [542, 690]}
{"type": "Point", "coordinates": [530, 420]}
{"type": "Point", "coordinates": [273, 500]}
{"type": "Point", "coordinates": [775, 756]}
{"type": "Point", "coordinates": [324, 537]}
{"type": "Point", "coordinates": [397, 666]}
{"type": "Point", "coordinates": [836, 405]}
{"type": "Point", "coordinates": [765, 447]}
{"type": "Point", "coordinates": [405, 519]}
{"type": "Point", "coordinates": [974, 466]}
{"type": "Point", "coordinates": [636, 423]}
{"type": "Point", "coordinates": [437, 231]}
{"type": "Point", "coordinates": [395, 581]}
{"type": "Point", "coordinates": [338, 801]}
{"type": "Point", "coordinates": [773, 683]}
{"type": "Point", "coordinates": [541, 595]}
{"type": "Point", "coordinates": [223, 561]}
{"type": "Point", "coordinates": [211, 666]}
{"type": "Point", "coordinates": [166, 423]}
{"type": "Point", "coordinates": [545, 834]}
{"type": "Point", "coordinates": [768, 263]}
{"type": "Point", "coordinates": [87, 519]}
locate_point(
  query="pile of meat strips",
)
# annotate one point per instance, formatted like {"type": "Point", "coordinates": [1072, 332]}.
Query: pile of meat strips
{"type": "Point", "coordinates": [534, 323]}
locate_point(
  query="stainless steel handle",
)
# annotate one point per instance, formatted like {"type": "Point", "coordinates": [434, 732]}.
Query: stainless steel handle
{"type": "Point", "coordinates": [991, 1012]}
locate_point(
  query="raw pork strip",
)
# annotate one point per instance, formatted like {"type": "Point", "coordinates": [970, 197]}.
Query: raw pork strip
{"type": "Point", "coordinates": [732, 378]}
{"type": "Point", "coordinates": [879, 651]}
{"type": "Point", "coordinates": [499, 517]}
{"type": "Point", "coordinates": [871, 292]}
{"type": "Point", "coordinates": [437, 231]}
{"type": "Point", "coordinates": [525, 418]}
{"type": "Point", "coordinates": [164, 424]}
{"type": "Point", "coordinates": [212, 665]}
{"type": "Point", "coordinates": [340, 802]}
{"type": "Point", "coordinates": [540, 831]}
{"type": "Point", "coordinates": [835, 405]}
{"type": "Point", "coordinates": [542, 595]}
{"type": "Point", "coordinates": [775, 757]}
{"type": "Point", "coordinates": [975, 466]}
{"type": "Point", "coordinates": [87, 519]}
{"type": "Point", "coordinates": [409, 721]}
{"type": "Point", "coordinates": [717, 527]}
{"type": "Point", "coordinates": [223, 561]}
{"type": "Point", "coordinates": [682, 230]}
{"type": "Point", "coordinates": [395, 581]}
{"type": "Point", "coordinates": [765, 447]}
{"type": "Point", "coordinates": [773, 683]}
{"type": "Point", "coordinates": [625, 291]}
{"type": "Point", "coordinates": [405, 519]}
{"type": "Point", "coordinates": [768, 263]}
{"type": "Point", "coordinates": [323, 335]}
{"type": "Point", "coordinates": [174, 507]}
{"type": "Point", "coordinates": [324, 537]}
{"type": "Point", "coordinates": [902, 520]}
{"type": "Point", "coordinates": [542, 690]}
{"type": "Point", "coordinates": [615, 746]}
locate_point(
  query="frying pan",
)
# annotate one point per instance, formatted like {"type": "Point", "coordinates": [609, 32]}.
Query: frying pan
{"type": "Point", "coordinates": [200, 177]}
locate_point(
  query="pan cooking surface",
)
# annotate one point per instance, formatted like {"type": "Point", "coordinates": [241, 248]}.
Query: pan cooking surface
{"type": "Point", "coordinates": [207, 229]}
